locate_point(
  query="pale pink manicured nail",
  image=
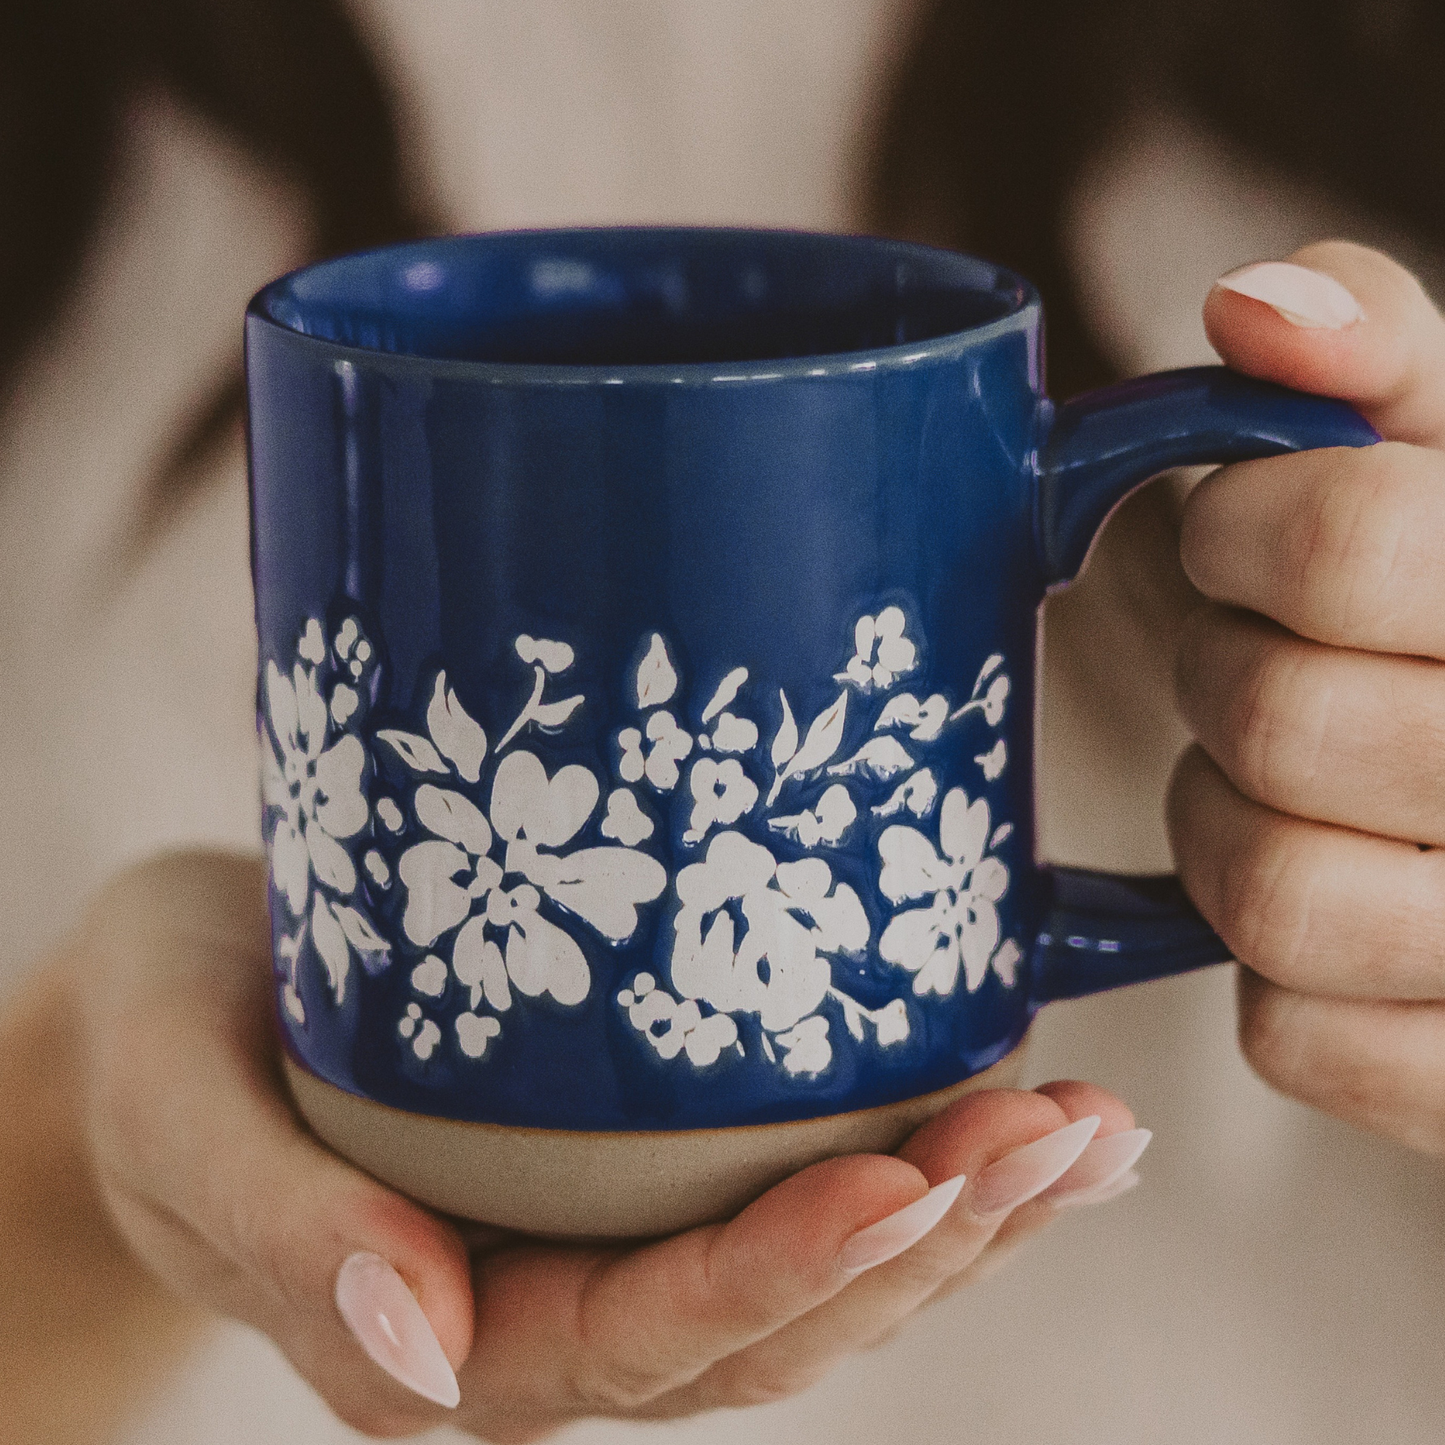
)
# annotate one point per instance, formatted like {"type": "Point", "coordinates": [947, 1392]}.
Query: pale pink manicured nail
{"type": "Point", "coordinates": [895, 1233]}
{"type": "Point", "coordinates": [1104, 1161]}
{"type": "Point", "coordinates": [389, 1325]}
{"type": "Point", "coordinates": [1030, 1169]}
{"type": "Point", "coordinates": [1102, 1195]}
{"type": "Point", "coordinates": [1304, 297]}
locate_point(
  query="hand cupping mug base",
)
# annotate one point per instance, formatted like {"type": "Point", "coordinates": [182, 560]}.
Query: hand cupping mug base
{"type": "Point", "coordinates": [648, 745]}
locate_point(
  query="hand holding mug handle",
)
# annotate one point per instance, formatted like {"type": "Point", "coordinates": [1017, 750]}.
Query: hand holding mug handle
{"type": "Point", "coordinates": [1102, 930]}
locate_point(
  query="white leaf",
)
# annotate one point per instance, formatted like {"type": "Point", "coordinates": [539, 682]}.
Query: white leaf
{"type": "Point", "coordinates": [879, 757]}
{"type": "Point", "coordinates": [999, 834]}
{"type": "Point", "coordinates": [552, 715]}
{"type": "Point", "coordinates": [993, 761]}
{"type": "Point", "coordinates": [727, 690]}
{"type": "Point", "coordinates": [786, 742]}
{"type": "Point", "coordinates": [359, 929]}
{"type": "Point", "coordinates": [988, 669]}
{"type": "Point", "coordinates": [453, 817]}
{"type": "Point", "coordinates": [822, 741]}
{"type": "Point", "coordinates": [416, 752]}
{"type": "Point", "coordinates": [656, 680]}
{"type": "Point", "coordinates": [330, 941]}
{"type": "Point", "coordinates": [455, 732]}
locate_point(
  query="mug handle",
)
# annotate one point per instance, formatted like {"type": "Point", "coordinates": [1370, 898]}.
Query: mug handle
{"type": "Point", "coordinates": [1102, 930]}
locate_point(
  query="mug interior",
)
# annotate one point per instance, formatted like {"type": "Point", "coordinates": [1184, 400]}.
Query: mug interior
{"type": "Point", "coordinates": [642, 296]}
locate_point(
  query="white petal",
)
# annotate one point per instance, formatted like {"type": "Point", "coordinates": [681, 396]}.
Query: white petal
{"type": "Point", "coordinates": [310, 710]}
{"type": "Point", "coordinates": [547, 811]}
{"type": "Point", "coordinates": [604, 885]}
{"type": "Point", "coordinates": [553, 657]}
{"type": "Point", "coordinates": [434, 903]}
{"type": "Point", "coordinates": [807, 1048]}
{"type": "Point", "coordinates": [429, 977]}
{"type": "Point", "coordinates": [1006, 960]}
{"type": "Point", "coordinates": [291, 866]}
{"type": "Point", "coordinates": [734, 866]}
{"type": "Point", "coordinates": [891, 1022]}
{"type": "Point", "coordinates": [734, 734]}
{"type": "Point", "coordinates": [281, 704]}
{"type": "Point", "coordinates": [542, 958]}
{"type": "Point", "coordinates": [842, 923]}
{"type": "Point", "coordinates": [864, 634]}
{"type": "Point", "coordinates": [477, 963]}
{"type": "Point", "coordinates": [312, 645]}
{"type": "Point", "coordinates": [989, 880]}
{"type": "Point", "coordinates": [344, 702]}
{"type": "Point", "coordinates": [331, 944]}
{"type": "Point", "coordinates": [910, 939]}
{"type": "Point", "coordinates": [963, 828]}
{"type": "Point", "coordinates": [939, 973]}
{"type": "Point", "coordinates": [341, 809]}
{"type": "Point", "coordinates": [978, 937]}
{"type": "Point", "coordinates": [331, 861]}
{"type": "Point", "coordinates": [451, 816]}
{"type": "Point", "coordinates": [709, 1037]}
{"type": "Point", "coordinates": [416, 752]}
{"type": "Point", "coordinates": [274, 792]}
{"type": "Point", "coordinates": [656, 679]}
{"type": "Point", "coordinates": [474, 1032]}
{"type": "Point", "coordinates": [911, 868]}
{"type": "Point", "coordinates": [458, 736]}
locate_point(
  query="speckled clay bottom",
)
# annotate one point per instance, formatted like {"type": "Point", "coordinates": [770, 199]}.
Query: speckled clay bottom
{"type": "Point", "coordinates": [567, 1184]}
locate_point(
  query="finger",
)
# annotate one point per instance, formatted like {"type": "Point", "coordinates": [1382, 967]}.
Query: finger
{"type": "Point", "coordinates": [1312, 907]}
{"type": "Point", "coordinates": [1389, 363]}
{"type": "Point", "coordinates": [567, 1332]}
{"type": "Point", "coordinates": [1370, 1062]}
{"type": "Point", "coordinates": [1337, 545]}
{"type": "Point", "coordinates": [1351, 738]}
{"type": "Point", "coordinates": [996, 1128]}
{"type": "Point", "coordinates": [212, 1177]}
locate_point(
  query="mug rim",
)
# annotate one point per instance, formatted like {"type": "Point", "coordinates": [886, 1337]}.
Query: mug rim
{"type": "Point", "coordinates": [276, 307]}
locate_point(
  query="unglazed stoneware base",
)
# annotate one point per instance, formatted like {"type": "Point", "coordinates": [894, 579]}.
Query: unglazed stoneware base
{"type": "Point", "coordinates": [575, 1185]}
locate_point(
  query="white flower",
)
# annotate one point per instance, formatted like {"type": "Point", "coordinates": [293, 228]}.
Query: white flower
{"type": "Point", "coordinates": [917, 793]}
{"type": "Point", "coordinates": [671, 1025]}
{"type": "Point", "coordinates": [774, 970]}
{"type": "Point", "coordinates": [806, 1047]}
{"type": "Point", "coordinates": [474, 1032]}
{"type": "Point", "coordinates": [423, 1033]}
{"type": "Point", "coordinates": [721, 792]}
{"type": "Point", "coordinates": [924, 720]}
{"type": "Point", "coordinates": [994, 761]}
{"type": "Point", "coordinates": [959, 925]}
{"type": "Point", "coordinates": [827, 823]}
{"type": "Point", "coordinates": [316, 794]}
{"type": "Point", "coordinates": [316, 790]}
{"type": "Point", "coordinates": [882, 652]}
{"type": "Point", "coordinates": [733, 734]}
{"type": "Point", "coordinates": [625, 821]}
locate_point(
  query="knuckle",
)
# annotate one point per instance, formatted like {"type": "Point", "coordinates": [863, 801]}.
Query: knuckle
{"type": "Point", "coordinates": [1344, 557]}
{"type": "Point", "coordinates": [1267, 903]}
{"type": "Point", "coordinates": [1268, 1037]}
{"type": "Point", "coordinates": [1274, 729]}
{"type": "Point", "coordinates": [619, 1386]}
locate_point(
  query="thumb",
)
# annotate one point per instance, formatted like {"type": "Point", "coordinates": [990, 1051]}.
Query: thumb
{"type": "Point", "coordinates": [213, 1180]}
{"type": "Point", "coordinates": [1338, 320]}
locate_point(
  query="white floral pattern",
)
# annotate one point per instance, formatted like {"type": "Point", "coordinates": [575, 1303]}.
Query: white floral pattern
{"type": "Point", "coordinates": [484, 857]}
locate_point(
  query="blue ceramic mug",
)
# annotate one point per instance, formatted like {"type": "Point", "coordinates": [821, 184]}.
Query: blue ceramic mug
{"type": "Point", "coordinates": [647, 626]}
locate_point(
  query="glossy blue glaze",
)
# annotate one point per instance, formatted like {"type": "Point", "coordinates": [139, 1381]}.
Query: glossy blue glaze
{"type": "Point", "coordinates": [559, 489]}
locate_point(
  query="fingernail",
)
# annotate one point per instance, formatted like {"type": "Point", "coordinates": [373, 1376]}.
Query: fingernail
{"type": "Point", "coordinates": [1102, 1195]}
{"type": "Point", "coordinates": [1030, 1169]}
{"type": "Point", "coordinates": [389, 1325]}
{"type": "Point", "coordinates": [1104, 1161]}
{"type": "Point", "coordinates": [1303, 297]}
{"type": "Point", "coordinates": [880, 1242]}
